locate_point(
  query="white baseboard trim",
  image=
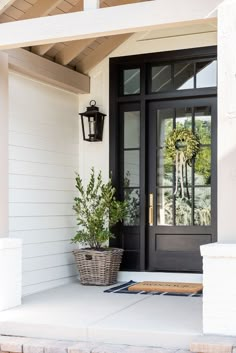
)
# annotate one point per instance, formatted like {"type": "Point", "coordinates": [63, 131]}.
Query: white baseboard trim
{"type": "Point", "coordinates": [125, 276]}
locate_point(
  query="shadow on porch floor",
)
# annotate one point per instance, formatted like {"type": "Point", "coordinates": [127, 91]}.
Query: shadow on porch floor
{"type": "Point", "coordinates": [76, 312]}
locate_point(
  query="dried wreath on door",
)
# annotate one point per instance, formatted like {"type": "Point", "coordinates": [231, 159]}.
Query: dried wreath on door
{"type": "Point", "coordinates": [182, 147]}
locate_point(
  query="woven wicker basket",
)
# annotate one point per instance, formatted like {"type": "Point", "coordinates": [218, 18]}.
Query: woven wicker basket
{"type": "Point", "coordinates": [98, 267]}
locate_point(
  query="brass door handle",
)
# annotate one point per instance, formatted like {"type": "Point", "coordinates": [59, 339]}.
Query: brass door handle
{"type": "Point", "coordinates": [150, 210]}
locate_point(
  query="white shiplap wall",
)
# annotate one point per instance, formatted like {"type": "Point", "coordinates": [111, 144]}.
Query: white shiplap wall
{"type": "Point", "coordinates": [43, 158]}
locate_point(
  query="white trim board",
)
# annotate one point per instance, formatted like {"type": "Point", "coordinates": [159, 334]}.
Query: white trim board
{"type": "Point", "coordinates": [96, 23]}
{"type": "Point", "coordinates": [125, 276]}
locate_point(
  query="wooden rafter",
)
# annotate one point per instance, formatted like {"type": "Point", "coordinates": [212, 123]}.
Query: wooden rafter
{"type": "Point", "coordinates": [148, 15]}
{"type": "Point", "coordinates": [68, 53]}
{"type": "Point", "coordinates": [23, 61]}
{"type": "Point", "coordinates": [43, 49]}
{"type": "Point", "coordinates": [4, 4]}
{"type": "Point", "coordinates": [75, 48]}
{"type": "Point", "coordinates": [101, 52]}
{"type": "Point", "coordinates": [40, 8]}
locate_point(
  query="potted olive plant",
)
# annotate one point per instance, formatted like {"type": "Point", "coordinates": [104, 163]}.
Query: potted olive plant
{"type": "Point", "coordinates": [97, 210]}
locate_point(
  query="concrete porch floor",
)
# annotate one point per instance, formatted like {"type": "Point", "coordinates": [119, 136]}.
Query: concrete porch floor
{"type": "Point", "coordinates": [86, 313]}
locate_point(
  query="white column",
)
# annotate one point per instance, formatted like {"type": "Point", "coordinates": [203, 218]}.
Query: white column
{"type": "Point", "coordinates": [91, 4]}
{"type": "Point", "coordinates": [10, 249]}
{"type": "Point", "coordinates": [219, 289]}
{"type": "Point", "coordinates": [227, 122]}
{"type": "Point", "coordinates": [3, 145]}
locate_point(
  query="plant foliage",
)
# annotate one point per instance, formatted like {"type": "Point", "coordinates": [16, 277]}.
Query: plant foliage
{"type": "Point", "coordinates": [97, 210]}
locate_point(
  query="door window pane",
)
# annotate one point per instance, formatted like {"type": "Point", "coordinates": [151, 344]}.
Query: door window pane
{"type": "Point", "coordinates": [206, 72]}
{"type": "Point", "coordinates": [131, 81]}
{"type": "Point", "coordinates": [203, 167]}
{"type": "Point", "coordinates": [161, 78]}
{"type": "Point", "coordinates": [184, 118]}
{"type": "Point", "coordinates": [165, 206]}
{"type": "Point", "coordinates": [131, 168]}
{"type": "Point", "coordinates": [183, 209]}
{"type": "Point", "coordinates": [184, 76]}
{"type": "Point", "coordinates": [132, 196]}
{"type": "Point", "coordinates": [203, 124]}
{"type": "Point", "coordinates": [165, 121]}
{"type": "Point", "coordinates": [202, 209]}
{"type": "Point", "coordinates": [132, 129]}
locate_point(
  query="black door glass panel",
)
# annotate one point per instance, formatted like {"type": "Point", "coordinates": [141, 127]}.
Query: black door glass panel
{"type": "Point", "coordinates": [132, 129]}
{"type": "Point", "coordinates": [161, 78]}
{"type": "Point", "coordinates": [165, 121]}
{"type": "Point", "coordinates": [183, 76]}
{"type": "Point", "coordinates": [203, 167]}
{"type": "Point", "coordinates": [184, 118]}
{"type": "Point", "coordinates": [165, 206]}
{"type": "Point", "coordinates": [131, 81]}
{"type": "Point", "coordinates": [131, 168]}
{"type": "Point", "coordinates": [206, 74]}
{"type": "Point", "coordinates": [132, 196]}
{"type": "Point", "coordinates": [178, 208]}
{"type": "Point", "coordinates": [183, 209]}
{"type": "Point", "coordinates": [203, 124]}
{"type": "Point", "coordinates": [202, 209]}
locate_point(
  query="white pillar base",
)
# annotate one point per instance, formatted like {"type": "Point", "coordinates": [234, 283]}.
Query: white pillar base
{"type": "Point", "coordinates": [10, 273]}
{"type": "Point", "coordinates": [219, 289]}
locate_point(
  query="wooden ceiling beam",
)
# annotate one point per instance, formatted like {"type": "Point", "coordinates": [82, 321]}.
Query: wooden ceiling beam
{"type": "Point", "coordinates": [41, 8]}
{"type": "Point", "coordinates": [67, 54]}
{"type": "Point", "coordinates": [139, 17]}
{"type": "Point", "coordinates": [27, 63]}
{"type": "Point", "coordinates": [75, 48]}
{"type": "Point", "coordinates": [44, 48]}
{"type": "Point", "coordinates": [4, 4]}
{"type": "Point", "coordinates": [104, 49]}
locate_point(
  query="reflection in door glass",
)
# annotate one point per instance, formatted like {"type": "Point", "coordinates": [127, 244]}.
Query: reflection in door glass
{"type": "Point", "coordinates": [165, 206]}
{"type": "Point", "coordinates": [131, 81]}
{"type": "Point", "coordinates": [183, 209]}
{"type": "Point", "coordinates": [203, 124]}
{"type": "Point", "coordinates": [132, 196]}
{"type": "Point", "coordinates": [203, 167]}
{"type": "Point", "coordinates": [202, 210]}
{"type": "Point", "coordinates": [131, 168]}
{"type": "Point", "coordinates": [206, 72]}
{"type": "Point", "coordinates": [132, 129]}
{"type": "Point", "coordinates": [184, 75]}
{"type": "Point", "coordinates": [193, 205]}
{"type": "Point", "coordinates": [161, 78]}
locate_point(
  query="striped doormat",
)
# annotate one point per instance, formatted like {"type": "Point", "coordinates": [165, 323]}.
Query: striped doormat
{"type": "Point", "coordinates": [125, 288]}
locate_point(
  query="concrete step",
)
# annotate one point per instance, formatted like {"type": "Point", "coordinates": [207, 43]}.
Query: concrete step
{"type": "Point", "coordinates": [13, 344]}
{"type": "Point", "coordinates": [213, 344]}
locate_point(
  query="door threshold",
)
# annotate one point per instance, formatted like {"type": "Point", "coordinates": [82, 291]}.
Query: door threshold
{"type": "Point", "coordinates": [125, 276]}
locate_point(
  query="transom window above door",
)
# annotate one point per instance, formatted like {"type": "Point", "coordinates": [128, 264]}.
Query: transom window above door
{"type": "Point", "coordinates": [182, 75]}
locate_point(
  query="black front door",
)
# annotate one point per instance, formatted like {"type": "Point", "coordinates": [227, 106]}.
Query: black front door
{"type": "Point", "coordinates": [180, 219]}
{"type": "Point", "coordinates": [150, 95]}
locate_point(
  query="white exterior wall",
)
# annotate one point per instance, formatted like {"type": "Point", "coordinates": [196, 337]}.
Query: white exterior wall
{"type": "Point", "coordinates": [4, 145]}
{"type": "Point", "coordinates": [97, 154]}
{"type": "Point", "coordinates": [43, 158]}
{"type": "Point", "coordinates": [226, 122]}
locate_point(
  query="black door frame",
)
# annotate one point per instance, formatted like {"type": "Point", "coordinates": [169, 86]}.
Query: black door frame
{"type": "Point", "coordinates": [207, 233]}
{"type": "Point", "coordinates": [117, 101]}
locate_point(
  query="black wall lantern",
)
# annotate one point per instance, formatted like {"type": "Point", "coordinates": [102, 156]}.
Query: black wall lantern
{"type": "Point", "coordinates": [92, 123]}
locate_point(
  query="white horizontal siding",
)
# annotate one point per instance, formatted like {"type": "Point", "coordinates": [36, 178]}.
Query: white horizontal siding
{"type": "Point", "coordinates": [38, 209]}
{"type": "Point", "coordinates": [43, 159]}
{"type": "Point", "coordinates": [57, 260]}
{"type": "Point", "coordinates": [40, 169]}
{"type": "Point", "coordinates": [33, 288]}
{"type": "Point", "coordinates": [42, 143]}
{"type": "Point", "coordinates": [43, 235]}
{"type": "Point", "coordinates": [40, 183]}
{"type": "Point", "coordinates": [40, 196]}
